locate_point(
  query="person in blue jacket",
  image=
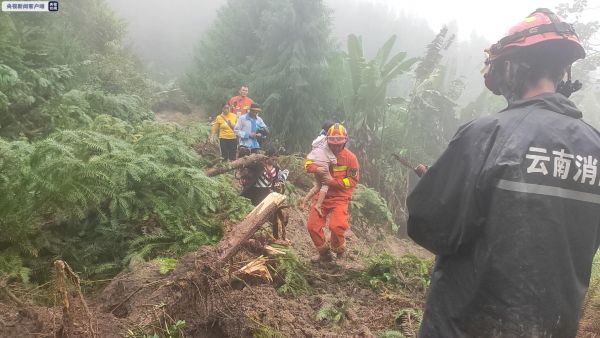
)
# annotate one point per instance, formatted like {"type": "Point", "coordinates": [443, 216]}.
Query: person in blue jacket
{"type": "Point", "coordinates": [250, 128]}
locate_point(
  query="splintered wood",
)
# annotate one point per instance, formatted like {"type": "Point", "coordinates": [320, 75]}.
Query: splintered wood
{"type": "Point", "coordinates": [271, 251]}
{"type": "Point", "coordinates": [65, 274]}
{"type": "Point", "coordinates": [257, 268]}
{"type": "Point", "coordinates": [261, 214]}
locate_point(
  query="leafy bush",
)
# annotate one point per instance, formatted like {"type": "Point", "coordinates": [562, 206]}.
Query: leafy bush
{"type": "Point", "coordinates": [333, 313]}
{"type": "Point", "coordinates": [368, 208]}
{"type": "Point", "coordinates": [295, 164]}
{"type": "Point", "coordinates": [98, 200]}
{"type": "Point", "coordinates": [62, 72]}
{"type": "Point", "coordinates": [294, 273]}
{"type": "Point", "coordinates": [165, 264]}
{"type": "Point", "coordinates": [408, 272]}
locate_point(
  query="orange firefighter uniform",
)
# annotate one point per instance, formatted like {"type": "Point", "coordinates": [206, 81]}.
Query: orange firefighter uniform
{"type": "Point", "coordinates": [345, 178]}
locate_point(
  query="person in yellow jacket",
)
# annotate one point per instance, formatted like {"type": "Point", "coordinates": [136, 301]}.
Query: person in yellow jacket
{"type": "Point", "coordinates": [224, 123]}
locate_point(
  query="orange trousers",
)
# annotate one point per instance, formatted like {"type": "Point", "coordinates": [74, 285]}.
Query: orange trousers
{"type": "Point", "coordinates": [338, 224]}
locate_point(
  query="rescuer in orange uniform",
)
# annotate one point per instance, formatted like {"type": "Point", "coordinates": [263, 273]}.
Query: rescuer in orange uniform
{"type": "Point", "coordinates": [344, 178]}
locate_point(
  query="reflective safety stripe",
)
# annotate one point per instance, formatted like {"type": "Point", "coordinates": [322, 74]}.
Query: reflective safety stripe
{"type": "Point", "coordinates": [530, 188]}
{"type": "Point", "coordinates": [340, 167]}
{"type": "Point", "coordinates": [346, 181]}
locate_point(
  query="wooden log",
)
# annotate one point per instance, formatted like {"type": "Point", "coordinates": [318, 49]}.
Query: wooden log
{"type": "Point", "coordinates": [239, 163]}
{"type": "Point", "coordinates": [241, 232]}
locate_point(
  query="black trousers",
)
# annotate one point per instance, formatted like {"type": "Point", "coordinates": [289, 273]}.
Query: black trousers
{"type": "Point", "coordinates": [228, 149]}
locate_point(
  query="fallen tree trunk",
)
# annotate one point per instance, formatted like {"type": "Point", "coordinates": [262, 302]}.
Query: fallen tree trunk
{"type": "Point", "coordinates": [261, 214]}
{"type": "Point", "coordinates": [239, 163]}
{"type": "Point", "coordinates": [197, 290]}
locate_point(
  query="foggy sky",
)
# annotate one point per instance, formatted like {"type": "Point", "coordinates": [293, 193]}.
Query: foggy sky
{"type": "Point", "coordinates": [487, 18]}
{"type": "Point", "coordinates": [165, 33]}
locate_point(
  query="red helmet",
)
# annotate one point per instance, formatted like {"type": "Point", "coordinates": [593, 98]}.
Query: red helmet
{"type": "Point", "coordinates": [337, 134]}
{"type": "Point", "coordinates": [540, 26]}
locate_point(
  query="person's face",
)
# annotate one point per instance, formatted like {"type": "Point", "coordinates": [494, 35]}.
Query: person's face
{"type": "Point", "coordinates": [336, 148]}
{"type": "Point", "coordinates": [244, 91]}
{"type": "Point", "coordinates": [225, 109]}
{"type": "Point", "coordinates": [253, 113]}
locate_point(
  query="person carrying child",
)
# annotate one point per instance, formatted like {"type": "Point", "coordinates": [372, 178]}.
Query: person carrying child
{"type": "Point", "coordinates": [320, 159]}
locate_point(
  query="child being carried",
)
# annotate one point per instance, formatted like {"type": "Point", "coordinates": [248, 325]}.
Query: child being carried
{"type": "Point", "coordinates": [322, 158]}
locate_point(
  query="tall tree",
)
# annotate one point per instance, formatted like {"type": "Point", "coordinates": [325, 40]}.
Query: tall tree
{"type": "Point", "coordinates": [431, 110]}
{"type": "Point", "coordinates": [363, 87]}
{"type": "Point", "coordinates": [52, 68]}
{"type": "Point", "coordinates": [279, 48]}
{"type": "Point", "coordinates": [586, 69]}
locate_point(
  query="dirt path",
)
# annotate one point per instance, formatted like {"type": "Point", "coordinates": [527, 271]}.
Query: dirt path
{"type": "Point", "coordinates": [197, 115]}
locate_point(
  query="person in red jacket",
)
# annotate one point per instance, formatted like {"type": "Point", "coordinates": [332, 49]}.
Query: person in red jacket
{"type": "Point", "coordinates": [344, 178]}
{"type": "Point", "coordinates": [240, 104]}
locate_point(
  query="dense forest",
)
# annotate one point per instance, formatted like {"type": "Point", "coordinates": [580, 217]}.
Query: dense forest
{"type": "Point", "coordinates": [90, 176]}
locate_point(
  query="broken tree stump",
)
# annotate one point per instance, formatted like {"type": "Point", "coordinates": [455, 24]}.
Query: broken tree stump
{"type": "Point", "coordinates": [65, 274]}
{"type": "Point", "coordinates": [241, 232]}
{"type": "Point", "coordinates": [239, 163]}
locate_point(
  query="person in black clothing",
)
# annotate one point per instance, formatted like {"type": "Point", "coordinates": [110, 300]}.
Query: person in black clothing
{"type": "Point", "coordinates": [512, 207]}
{"type": "Point", "coordinates": [258, 181]}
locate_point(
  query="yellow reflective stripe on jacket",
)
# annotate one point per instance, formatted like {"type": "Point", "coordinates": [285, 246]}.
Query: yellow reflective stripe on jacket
{"type": "Point", "coordinates": [340, 167]}
{"type": "Point", "coordinates": [346, 181]}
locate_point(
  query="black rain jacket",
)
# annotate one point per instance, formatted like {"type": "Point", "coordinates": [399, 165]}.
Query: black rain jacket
{"type": "Point", "coordinates": [512, 211]}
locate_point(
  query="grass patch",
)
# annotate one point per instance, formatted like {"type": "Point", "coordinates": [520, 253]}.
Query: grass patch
{"type": "Point", "coordinates": [407, 272]}
{"type": "Point", "coordinates": [165, 264]}
{"type": "Point", "coordinates": [389, 334]}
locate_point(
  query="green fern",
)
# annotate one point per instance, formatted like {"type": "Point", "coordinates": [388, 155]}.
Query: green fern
{"type": "Point", "coordinates": [294, 272]}
{"type": "Point", "coordinates": [334, 313]}
{"type": "Point", "coordinates": [101, 200]}
{"type": "Point", "coordinates": [368, 208]}
{"type": "Point", "coordinates": [165, 264]}
{"type": "Point", "coordinates": [407, 272]}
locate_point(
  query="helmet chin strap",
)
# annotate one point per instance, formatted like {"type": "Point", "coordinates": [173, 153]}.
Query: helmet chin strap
{"type": "Point", "coordinates": [513, 80]}
{"type": "Point", "coordinates": [567, 88]}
